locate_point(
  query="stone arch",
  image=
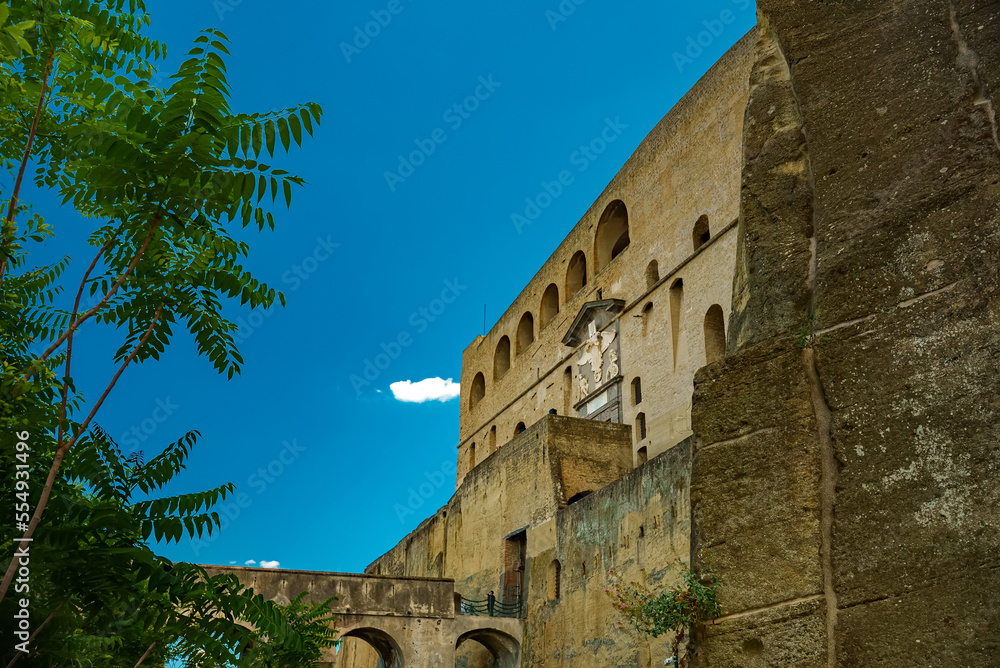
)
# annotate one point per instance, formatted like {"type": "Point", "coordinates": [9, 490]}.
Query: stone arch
{"type": "Point", "coordinates": [701, 233]}
{"type": "Point", "coordinates": [478, 391]}
{"type": "Point", "coordinates": [525, 332]}
{"type": "Point", "coordinates": [519, 428]}
{"type": "Point", "coordinates": [506, 650]}
{"type": "Point", "coordinates": [384, 645]}
{"type": "Point", "coordinates": [715, 334]}
{"type": "Point", "coordinates": [612, 234]}
{"type": "Point", "coordinates": [576, 274]}
{"type": "Point", "coordinates": [652, 274]}
{"type": "Point", "coordinates": [550, 305]}
{"type": "Point", "coordinates": [501, 358]}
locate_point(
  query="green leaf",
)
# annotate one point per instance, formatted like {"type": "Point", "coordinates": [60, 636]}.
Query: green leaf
{"type": "Point", "coordinates": [257, 137]}
{"type": "Point", "coordinates": [283, 131]}
{"type": "Point", "coordinates": [269, 135]}
{"type": "Point", "coordinates": [306, 120]}
{"type": "Point", "coordinates": [296, 127]}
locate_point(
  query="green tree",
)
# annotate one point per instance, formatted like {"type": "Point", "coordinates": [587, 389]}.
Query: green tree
{"type": "Point", "coordinates": [104, 598]}
{"type": "Point", "coordinates": [163, 172]}
{"type": "Point", "coordinates": [164, 169]}
{"type": "Point", "coordinates": [655, 611]}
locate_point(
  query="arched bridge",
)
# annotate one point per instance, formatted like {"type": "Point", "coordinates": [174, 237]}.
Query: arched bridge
{"type": "Point", "coordinates": [409, 622]}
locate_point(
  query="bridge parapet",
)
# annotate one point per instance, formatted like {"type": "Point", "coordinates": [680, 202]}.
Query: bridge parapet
{"type": "Point", "coordinates": [356, 594]}
{"type": "Point", "coordinates": [410, 622]}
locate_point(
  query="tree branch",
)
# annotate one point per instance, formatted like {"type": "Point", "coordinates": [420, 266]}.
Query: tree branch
{"type": "Point", "coordinates": [143, 657]}
{"type": "Point", "coordinates": [12, 207]}
{"type": "Point", "coordinates": [69, 340]}
{"type": "Point", "coordinates": [76, 322]}
{"type": "Point", "coordinates": [62, 449]}
{"type": "Point", "coordinates": [35, 633]}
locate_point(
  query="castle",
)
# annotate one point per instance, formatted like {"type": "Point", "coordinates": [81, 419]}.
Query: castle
{"type": "Point", "coordinates": [769, 349]}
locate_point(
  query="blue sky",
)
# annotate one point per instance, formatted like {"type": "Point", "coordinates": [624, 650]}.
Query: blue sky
{"type": "Point", "coordinates": [334, 472]}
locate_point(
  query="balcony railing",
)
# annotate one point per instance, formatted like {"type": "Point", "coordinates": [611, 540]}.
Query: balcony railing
{"type": "Point", "coordinates": [482, 607]}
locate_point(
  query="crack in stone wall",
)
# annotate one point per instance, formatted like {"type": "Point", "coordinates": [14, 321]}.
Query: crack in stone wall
{"type": "Point", "coordinates": [969, 60]}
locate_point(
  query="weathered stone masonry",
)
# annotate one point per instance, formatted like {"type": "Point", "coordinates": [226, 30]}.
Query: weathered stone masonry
{"type": "Point", "coordinates": [808, 242]}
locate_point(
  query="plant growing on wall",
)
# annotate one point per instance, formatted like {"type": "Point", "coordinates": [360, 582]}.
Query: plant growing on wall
{"type": "Point", "coordinates": [659, 610]}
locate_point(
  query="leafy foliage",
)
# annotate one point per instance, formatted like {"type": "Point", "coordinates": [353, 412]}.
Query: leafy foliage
{"type": "Point", "coordinates": [113, 597]}
{"type": "Point", "coordinates": [655, 611]}
{"type": "Point", "coordinates": [165, 170]}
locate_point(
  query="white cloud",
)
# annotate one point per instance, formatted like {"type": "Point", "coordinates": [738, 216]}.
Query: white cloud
{"type": "Point", "coordinates": [232, 563]}
{"type": "Point", "coordinates": [269, 564]}
{"type": "Point", "coordinates": [428, 389]}
{"type": "Point", "coordinates": [250, 562]}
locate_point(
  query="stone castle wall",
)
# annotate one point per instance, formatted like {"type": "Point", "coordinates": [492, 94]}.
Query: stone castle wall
{"type": "Point", "coordinates": [839, 469]}
{"type": "Point", "coordinates": [637, 524]}
{"type": "Point", "coordinates": [863, 457]}
{"type": "Point", "coordinates": [688, 167]}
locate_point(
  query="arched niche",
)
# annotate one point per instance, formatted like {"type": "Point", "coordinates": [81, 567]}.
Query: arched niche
{"type": "Point", "coordinates": [549, 308]}
{"type": "Point", "coordinates": [525, 332]}
{"type": "Point", "coordinates": [478, 390]}
{"type": "Point", "coordinates": [501, 358]}
{"type": "Point", "coordinates": [576, 274]}
{"type": "Point", "coordinates": [715, 334]}
{"type": "Point", "coordinates": [612, 234]}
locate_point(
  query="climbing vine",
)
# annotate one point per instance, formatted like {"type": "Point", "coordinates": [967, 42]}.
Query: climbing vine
{"type": "Point", "coordinates": [655, 611]}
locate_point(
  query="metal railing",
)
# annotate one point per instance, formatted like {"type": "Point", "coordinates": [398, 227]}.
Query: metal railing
{"type": "Point", "coordinates": [481, 607]}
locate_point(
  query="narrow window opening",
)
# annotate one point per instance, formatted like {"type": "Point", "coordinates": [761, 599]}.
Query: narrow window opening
{"type": "Point", "coordinates": [652, 274]}
{"type": "Point", "coordinates": [715, 334]}
{"type": "Point", "coordinates": [636, 391]}
{"type": "Point", "coordinates": [701, 233]}
{"type": "Point", "coordinates": [640, 427]}
{"type": "Point", "coordinates": [555, 575]}
{"type": "Point", "coordinates": [676, 303]}
{"type": "Point", "coordinates": [567, 390]}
